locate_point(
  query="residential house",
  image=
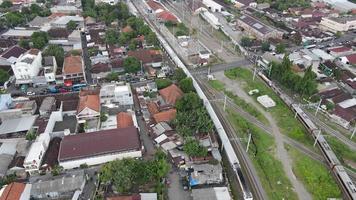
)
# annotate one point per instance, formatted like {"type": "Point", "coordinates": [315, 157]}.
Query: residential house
{"type": "Point", "coordinates": [148, 57]}
{"type": "Point", "coordinates": [213, 5]}
{"type": "Point", "coordinates": [111, 2]}
{"type": "Point", "coordinates": [18, 108]}
{"type": "Point", "coordinates": [141, 196]}
{"type": "Point", "coordinates": [67, 186]}
{"type": "Point", "coordinates": [340, 51]}
{"type": "Point", "coordinates": [9, 57]}
{"type": "Point", "coordinates": [109, 145]}
{"type": "Point", "coordinates": [6, 44]}
{"type": "Point", "coordinates": [205, 174]}
{"type": "Point", "coordinates": [244, 3]}
{"type": "Point", "coordinates": [165, 116]}
{"type": "Point", "coordinates": [16, 127]}
{"type": "Point", "coordinates": [258, 29]}
{"type": "Point", "coordinates": [66, 9]}
{"type": "Point", "coordinates": [33, 160]}
{"type": "Point", "coordinates": [345, 112]}
{"type": "Point", "coordinates": [50, 68]}
{"type": "Point", "coordinates": [7, 153]}
{"type": "Point", "coordinates": [47, 106]}
{"type": "Point", "coordinates": [171, 94]}
{"type": "Point", "coordinates": [88, 112]}
{"type": "Point", "coordinates": [124, 120]}
{"type": "Point", "coordinates": [73, 70]}
{"type": "Point", "coordinates": [116, 93]}
{"type": "Point", "coordinates": [349, 59]}
{"type": "Point", "coordinates": [27, 66]}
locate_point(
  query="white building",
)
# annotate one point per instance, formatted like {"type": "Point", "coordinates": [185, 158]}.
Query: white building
{"type": "Point", "coordinates": [116, 93]}
{"type": "Point", "coordinates": [340, 24]}
{"type": "Point", "coordinates": [33, 160]}
{"type": "Point", "coordinates": [111, 2]}
{"type": "Point", "coordinates": [50, 68]}
{"type": "Point", "coordinates": [213, 6]}
{"type": "Point", "coordinates": [62, 22]}
{"type": "Point", "coordinates": [210, 18]}
{"type": "Point", "coordinates": [27, 66]}
{"type": "Point", "coordinates": [109, 145]}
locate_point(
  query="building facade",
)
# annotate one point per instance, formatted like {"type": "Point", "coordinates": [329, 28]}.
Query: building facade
{"type": "Point", "coordinates": [27, 66]}
{"type": "Point", "coordinates": [116, 93]}
{"type": "Point", "coordinates": [340, 24]}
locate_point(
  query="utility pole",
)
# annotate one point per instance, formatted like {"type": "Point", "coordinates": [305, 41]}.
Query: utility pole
{"type": "Point", "coordinates": [225, 103]}
{"type": "Point", "coordinates": [317, 108]}
{"type": "Point", "coordinates": [317, 137]}
{"type": "Point", "coordinates": [248, 142]}
{"type": "Point", "coordinates": [254, 74]}
{"type": "Point", "coordinates": [270, 69]}
{"type": "Point", "coordinates": [296, 113]}
{"type": "Point", "coordinates": [353, 133]}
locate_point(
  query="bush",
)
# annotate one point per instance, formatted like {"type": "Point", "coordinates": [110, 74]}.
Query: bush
{"type": "Point", "coordinates": [194, 149]}
{"type": "Point", "coordinates": [163, 83]}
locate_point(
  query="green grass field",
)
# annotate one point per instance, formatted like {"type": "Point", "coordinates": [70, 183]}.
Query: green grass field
{"type": "Point", "coordinates": [343, 152]}
{"type": "Point", "coordinates": [218, 85]}
{"type": "Point", "coordinates": [315, 176]}
{"type": "Point", "coordinates": [288, 125]}
{"type": "Point", "coordinates": [269, 169]}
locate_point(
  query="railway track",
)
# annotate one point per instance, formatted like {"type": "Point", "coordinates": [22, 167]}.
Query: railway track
{"type": "Point", "coordinates": [305, 150]}
{"type": "Point", "coordinates": [246, 163]}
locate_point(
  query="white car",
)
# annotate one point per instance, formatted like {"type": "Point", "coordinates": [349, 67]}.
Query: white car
{"type": "Point", "coordinates": [30, 93]}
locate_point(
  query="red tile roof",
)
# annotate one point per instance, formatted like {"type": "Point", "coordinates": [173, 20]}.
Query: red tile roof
{"type": "Point", "coordinates": [89, 101]}
{"type": "Point", "coordinates": [146, 55]}
{"type": "Point", "coordinates": [127, 29]}
{"type": "Point", "coordinates": [13, 191]}
{"type": "Point", "coordinates": [152, 108]}
{"type": "Point", "coordinates": [347, 114]}
{"type": "Point", "coordinates": [155, 5]}
{"type": "Point", "coordinates": [340, 49]}
{"type": "Point", "coordinates": [73, 65]}
{"type": "Point", "coordinates": [167, 16]}
{"type": "Point", "coordinates": [33, 51]}
{"type": "Point", "coordinates": [165, 116]}
{"type": "Point", "coordinates": [99, 143]}
{"type": "Point", "coordinates": [124, 120]}
{"type": "Point", "coordinates": [171, 94]}
{"type": "Point", "coordinates": [352, 58]}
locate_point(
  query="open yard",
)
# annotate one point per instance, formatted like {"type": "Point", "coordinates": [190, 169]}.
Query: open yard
{"type": "Point", "coordinates": [262, 153]}
{"type": "Point", "coordinates": [287, 124]}
{"type": "Point", "coordinates": [314, 175]}
{"type": "Point", "coordinates": [218, 85]}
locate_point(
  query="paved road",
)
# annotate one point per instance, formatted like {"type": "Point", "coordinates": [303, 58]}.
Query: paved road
{"type": "Point", "coordinates": [175, 189]}
{"type": "Point", "coordinates": [86, 59]}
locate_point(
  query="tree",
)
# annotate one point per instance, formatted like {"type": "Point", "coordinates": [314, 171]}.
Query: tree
{"type": "Point", "coordinates": [14, 19]}
{"type": "Point", "coordinates": [151, 39]}
{"type": "Point", "coordinates": [194, 149]}
{"type": "Point", "coordinates": [163, 83]}
{"type": "Point", "coordinates": [330, 106]}
{"type": "Point", "coordinates": [179, 74]}
{"type": "Point", "coordinates": [71, 25]}
{"type": "Point", "coordinates": [103, 117]}
{"type": "Point", "coordinates": [111, 37]}
{"type": "Point", "coordinates": [4, 76]}
{"type": "Point", "coordinates": [189, 102]}
{"type": "Point", "coordinates": [186, 85]}
{"type": "Point", "coordinates": [39, 39]}
{"type": "Point", "coordinates": [56, 51]}
{"type": "Point", "coordinates": [24, 43]}
{"type": "Point", "coordinates": [265, 46]}
{"type": "Point", "coordinates": [246, 42]}
{"type": "Point", "coordinates": [338, 34]}
{"type": "Point", "coordinates": [6, 4]}
{"type": "Point", "coordinates": [56, 170]}
{"type": "Point", "coordinates": [132, 65]}
{"type": "Point", "coordinates": [280, 48]}
{"type": "Point", "coordinates": [113, 76]}
{"type": "Point", "coordinates": [31, 135]}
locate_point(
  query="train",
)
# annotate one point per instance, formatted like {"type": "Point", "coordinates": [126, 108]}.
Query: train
{"type": "Point", "coordinates": [333, 162]}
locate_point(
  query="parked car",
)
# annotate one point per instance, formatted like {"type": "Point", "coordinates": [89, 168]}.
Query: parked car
{"type": "Point", "coordinates": [30, 93]}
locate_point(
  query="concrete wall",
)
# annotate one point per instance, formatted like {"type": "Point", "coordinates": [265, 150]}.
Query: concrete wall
{"type": "Point", "coordinates": [99, 159]}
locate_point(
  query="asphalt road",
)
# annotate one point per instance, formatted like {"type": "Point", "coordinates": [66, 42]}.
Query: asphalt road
{"type": "Point", "coordinates": [87, 62]}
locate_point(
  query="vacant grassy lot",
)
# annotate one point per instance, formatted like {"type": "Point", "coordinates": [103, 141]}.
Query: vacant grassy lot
{"type": "Point", "coordinates": [317, 179]}
{"type": "Point", "coordinates": [282, 114]}
{"type": "Point", "coordinates": [269, 169]}
{"type": "Point", "coordinates": [218, 85]}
